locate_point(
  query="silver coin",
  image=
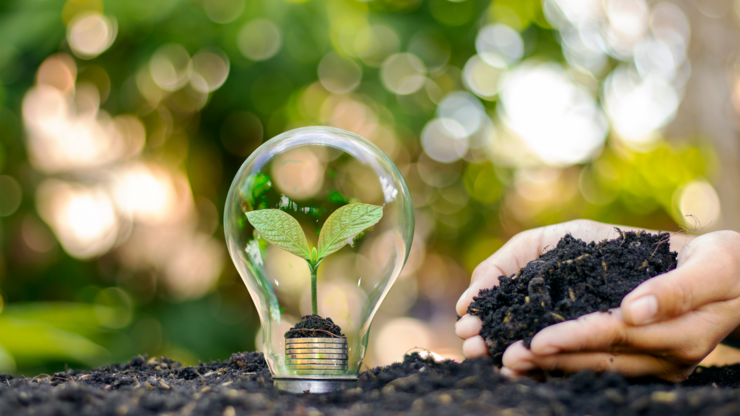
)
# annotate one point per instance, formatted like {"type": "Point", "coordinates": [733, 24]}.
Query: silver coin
{"type": "Point", "coordinates": [317, 367]}
{"type": "Point", "coordinates": [315, 361]}
{"type": "Point", "coordinates": [316, 340]}
{"type": "Point", "coordinates": [317, 345]}
{"type": "Point", "coordinates": [317, 356]}
{"type": "Point", "coordinates": [316, 351]}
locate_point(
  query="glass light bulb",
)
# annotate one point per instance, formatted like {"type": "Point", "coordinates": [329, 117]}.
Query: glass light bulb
{"type": "Point", "coordinates": [352, 205]}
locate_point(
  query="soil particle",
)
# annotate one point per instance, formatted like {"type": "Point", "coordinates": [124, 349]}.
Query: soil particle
{"type": "Point", "coordinates": [571, 280]}
{"type": "Point", "coordinates": [314, 326]}
{"type": "Point", "coordinates": [242, 385]}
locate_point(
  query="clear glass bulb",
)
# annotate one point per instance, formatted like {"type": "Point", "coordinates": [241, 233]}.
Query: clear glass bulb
{"type": "Point", "coordinates": [309, 174]}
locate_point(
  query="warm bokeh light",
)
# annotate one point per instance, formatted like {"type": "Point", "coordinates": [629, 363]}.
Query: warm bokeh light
{"type": "Point", "coordinates": [298, 173]}
{"type": "Point", "coordinates": [374, 43]}
{"type": "Point", "coordinates": [170, 67]}
{"type": "Point", "coordinates": [149, 193]}
{"type": "Point", "coordinates": [499, 45]}
{"type": "Point", "coordinates": [194, 268]}
{"type": "Point", "coordinates": [223, 11]}
{"type": "Point", "coordinates": [698, 204]}
{"type": "Point", "coordinates": [90, 34]}
{"type": "Point", "coordinates": [398, 337]}
{"type": "Point", "coordinates": [338, 74]}
{"type": "Point", "coordinates": [638, 108]}
{"type": "Point", "coordinates": [403, 73]}
{"type": "Point", "coordinates": [210, 69]}
{"type": "Point", "coordinates": [259, 40]}
{"type": "Point", "coordinates": [481, 78]}
{"type": "Point", "coordinates": [557, 119]}
{"type": "Point", "coordinates": [442, 142]}
{"type": "Point", "coordinates": [83, 218]}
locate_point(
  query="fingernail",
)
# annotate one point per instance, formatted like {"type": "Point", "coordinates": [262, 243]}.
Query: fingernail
{"type": "Point", "coordinates": [643, 309]}
{"type": "Point", "coordinates": [463, 295]}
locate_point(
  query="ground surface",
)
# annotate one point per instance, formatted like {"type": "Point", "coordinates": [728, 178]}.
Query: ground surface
{"type": "Point", "coordinates": [242, 385]}
{"type": "Point", "coordinates": [570, 280]}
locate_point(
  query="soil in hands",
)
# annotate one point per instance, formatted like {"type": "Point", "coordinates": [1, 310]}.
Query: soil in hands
{"type": "Point", "coordinates": [573, 279]}
{"type": "Point", "coordinates": [314, 326]}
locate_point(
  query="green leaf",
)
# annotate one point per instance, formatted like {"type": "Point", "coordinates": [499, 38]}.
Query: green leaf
{"type": "Point", "coordinates": [345, 223]}
{"type": "Point", "coordinates": [280, 229]}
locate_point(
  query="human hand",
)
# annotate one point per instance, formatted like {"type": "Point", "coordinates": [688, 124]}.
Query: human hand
{"type": "Point", "coordinates": [663, 328]}
{"type": "Point", "coordinates": [515, 254]}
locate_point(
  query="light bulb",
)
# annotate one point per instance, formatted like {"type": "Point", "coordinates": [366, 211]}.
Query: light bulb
{"type": "Point", "coordinates": [319, 221]}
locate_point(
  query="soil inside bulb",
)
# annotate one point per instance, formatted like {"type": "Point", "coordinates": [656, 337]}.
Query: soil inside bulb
{"type": "Point", "coordinates": [314, 326]}
{"type": "Point", "coordinates": [573, 279]}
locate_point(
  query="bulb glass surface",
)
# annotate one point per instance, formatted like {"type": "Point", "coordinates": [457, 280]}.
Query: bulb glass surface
{"type": "Point", "coordinates": [309, 173]}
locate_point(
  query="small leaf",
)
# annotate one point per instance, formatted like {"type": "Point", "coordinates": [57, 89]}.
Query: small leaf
{"type": "Point", "coordinates": [280, 229]}
{"type": "Point", "coordinates": [314, 255]}
{"type": "Point", "coordinates": [345, 223]}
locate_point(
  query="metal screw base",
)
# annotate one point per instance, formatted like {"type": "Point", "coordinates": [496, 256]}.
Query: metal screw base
{"type": "Point", "coordinates": [314, 385]}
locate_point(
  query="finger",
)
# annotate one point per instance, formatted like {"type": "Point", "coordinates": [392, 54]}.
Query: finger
{"type": "Point", "coordinates": [607, 331]}
{"type": "Point", "coordinates": [629, 365]}
{"type": "Point", "coordinates": [703, 276]}
{"type": "Point", "coordinates": [519, 358]}
{"type": "Point", "coordinates": [597, 331]}
{"type": "Point", "coordinates": [474, 347]}
{"type": "Point", "coordinates": [509, 373]}
{"type": "Point", "coordinates": [516, 253]}
{"type": "Point", "coordinates": [689, 337]}
{"type": "Point", "coordinates": [468, 326]}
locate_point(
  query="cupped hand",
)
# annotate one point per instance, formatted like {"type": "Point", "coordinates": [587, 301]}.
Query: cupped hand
{"type": "Point", "coordinates": [663, 328]}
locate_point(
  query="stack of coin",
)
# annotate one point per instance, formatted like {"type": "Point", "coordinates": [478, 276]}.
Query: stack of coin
{"type": "Point", "coordinates": [316, 355]}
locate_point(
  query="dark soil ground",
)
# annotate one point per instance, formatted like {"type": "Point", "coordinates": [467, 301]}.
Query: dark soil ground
{"type": "Point", "coordinates": [573, 279]}
{"type": "Point", "coordinates": [242, 385]}
{"type": "Point", "coordinates": [314, 326]}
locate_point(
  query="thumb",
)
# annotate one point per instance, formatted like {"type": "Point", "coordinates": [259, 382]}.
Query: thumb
{"type": "Point", "coordinates": [701, 279]}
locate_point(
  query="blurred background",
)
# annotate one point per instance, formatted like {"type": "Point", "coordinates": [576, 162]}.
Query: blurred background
{"type": "Point", "coordinates": [122, 124]}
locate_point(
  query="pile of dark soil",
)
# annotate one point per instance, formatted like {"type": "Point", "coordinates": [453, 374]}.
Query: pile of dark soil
{"type": "Point", "coordinates": [242, 385]}
{"type": "Point", "coordinates": [314, 326]}
{"type": "Point", "coordinates": [573, 279]}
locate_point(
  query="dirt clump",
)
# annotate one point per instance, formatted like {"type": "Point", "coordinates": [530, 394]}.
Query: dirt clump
{"type": "Point", "coordinates": [573, 279]}
{"type": "Point", "coordinates": [314, 326]}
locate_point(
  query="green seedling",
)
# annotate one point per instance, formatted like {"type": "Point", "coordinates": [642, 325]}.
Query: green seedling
{"type": "Point", "coordinates": [281, 229]}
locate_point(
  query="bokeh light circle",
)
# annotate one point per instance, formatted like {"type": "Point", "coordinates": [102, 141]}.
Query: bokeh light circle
{"type": "Point", "coordinates": [499, 45]}
{"type": "Point", "coordinates": [210, 70]}
{"type": "Point", "coordinates": [403, 73]}
{"type": "Point", "coordinates": [557, 119]}
{"type": "Point", "coordinates": [90, 34]}
{"type": "Point", "coordinates": [481, 78]}
{"type": "Point", "coordinates": [259, 40]}
{"type": "Point", "coordinates": [698, 204]}
{"type": "Point", "coordinates": [442, 140]}
{"type": "Point", "coordinates": [338, 74]}
{"type": "Point", "coordinates": [170, 67]}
